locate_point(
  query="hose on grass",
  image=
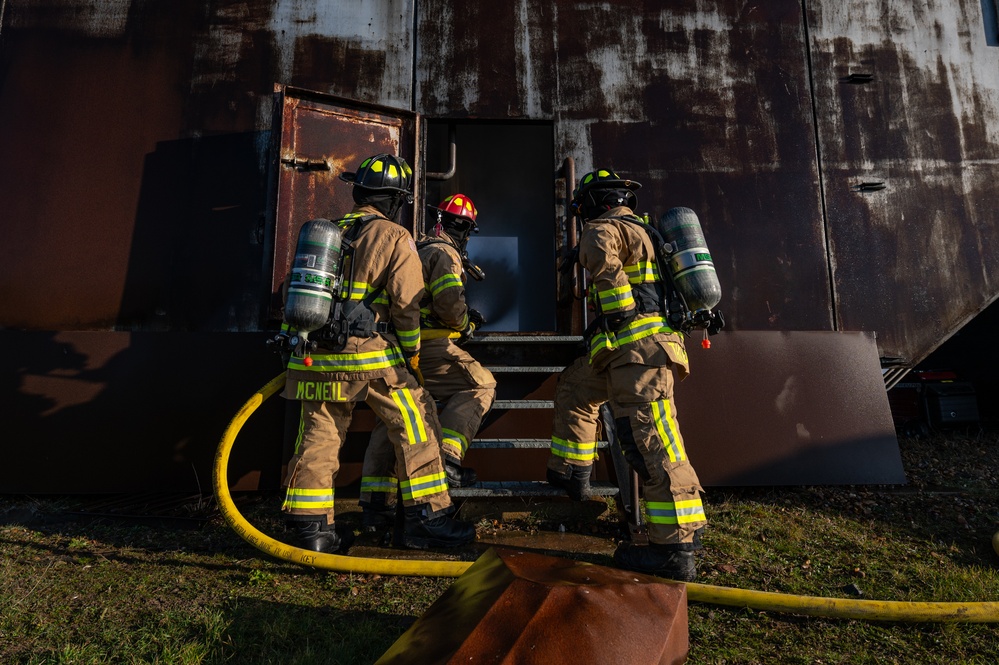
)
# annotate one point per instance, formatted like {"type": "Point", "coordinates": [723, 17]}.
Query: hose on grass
{"type": "Point", "coordinates": [839, 608]}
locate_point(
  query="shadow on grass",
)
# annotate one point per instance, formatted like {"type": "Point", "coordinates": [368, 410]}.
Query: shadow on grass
{"type": "Point", "coordinates": [276, 632]}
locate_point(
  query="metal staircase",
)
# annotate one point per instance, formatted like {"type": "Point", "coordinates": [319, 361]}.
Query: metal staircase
{"type": "Point", "coordinates": [521, 417]}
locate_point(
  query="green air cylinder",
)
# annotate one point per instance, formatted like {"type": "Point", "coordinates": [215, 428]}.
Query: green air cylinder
{"type": "Point", "coordinates": [312, 283]}
{"type": "Point", "coordinates": [691, 266]}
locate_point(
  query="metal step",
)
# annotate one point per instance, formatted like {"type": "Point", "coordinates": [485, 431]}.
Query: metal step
{"type": "Point", "coordinates": [507, 488]}
{"type": "Point", "coordinates": [524, 404]}
{"type": "Point", "coordinates": [525, 369]}
{"type": "Point", "coordinates": [519, 443]}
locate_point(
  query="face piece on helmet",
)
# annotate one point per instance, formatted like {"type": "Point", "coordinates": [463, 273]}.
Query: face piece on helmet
{"type": "Point", "coordinates": [602, 190]}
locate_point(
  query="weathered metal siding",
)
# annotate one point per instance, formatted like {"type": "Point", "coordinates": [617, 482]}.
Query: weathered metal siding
{"type": "Point", "coordinates": [707, 103]}
{"type": "Point", "coordinates": [913, 261]}
{"type": "Point", "coordinates": [135, 143]}
{"type": "Point", "coordinates": [134, 148]}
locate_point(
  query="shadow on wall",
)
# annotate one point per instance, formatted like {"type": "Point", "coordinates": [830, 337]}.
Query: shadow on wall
{"type": "Point", "coordinates": [197, 260]}
{"type": "Point", "coordinates": [98, 412]}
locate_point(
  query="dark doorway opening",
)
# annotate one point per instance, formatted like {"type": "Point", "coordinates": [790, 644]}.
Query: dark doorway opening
{"type": "Point", "coordinates": [506, 169]}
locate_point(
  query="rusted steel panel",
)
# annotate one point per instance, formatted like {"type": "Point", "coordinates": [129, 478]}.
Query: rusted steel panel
{"type": "Point", "coordinates": [513, 606]}
{"type": "Point", "coordinates": [320, 138]}
{"type": "Point", "coordinates": [108, 412]}
{"type": "Point", "coordinates": [79, 113]}
{"type": "Point", "coordinates": [907, 103]}
{"type": "Point", "coordinates": [113, 158]}
{"type": "Point", "coordinates": [360, 49]}
{"type": "Point", "coordinates": [706, 103]}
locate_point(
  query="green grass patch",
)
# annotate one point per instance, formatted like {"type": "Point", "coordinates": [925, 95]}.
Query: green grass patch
{"type": "Point", "coordinates": [73, 591]}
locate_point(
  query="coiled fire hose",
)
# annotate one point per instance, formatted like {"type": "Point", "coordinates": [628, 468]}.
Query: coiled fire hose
{"type": "Point", "coordinates": [840, 608]}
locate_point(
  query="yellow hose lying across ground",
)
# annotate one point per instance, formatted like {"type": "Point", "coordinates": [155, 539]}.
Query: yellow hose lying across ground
{"type": "Point", "coordinates": [839, 608]}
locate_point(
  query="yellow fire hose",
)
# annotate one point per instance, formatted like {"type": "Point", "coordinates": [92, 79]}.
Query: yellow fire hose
{"type": "Point", "coordinates": [839, 608]}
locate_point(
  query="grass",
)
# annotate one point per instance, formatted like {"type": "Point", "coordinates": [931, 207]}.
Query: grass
{"type": "Point", "coordinates": [82, 591]}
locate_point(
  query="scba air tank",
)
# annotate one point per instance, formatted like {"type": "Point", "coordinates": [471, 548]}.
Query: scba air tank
{"type": "Point", "coordinates": [312, 283]}
{"type": "Point", "coordinates": [691, 266]}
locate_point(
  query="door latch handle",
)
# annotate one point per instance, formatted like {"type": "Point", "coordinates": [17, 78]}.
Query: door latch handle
{"type": "Point", "coordinates": [306, 164]}
{"type": "Point", "coordinates": [872, 186]}
{"type": "Point", "coordinates": [857, 79]}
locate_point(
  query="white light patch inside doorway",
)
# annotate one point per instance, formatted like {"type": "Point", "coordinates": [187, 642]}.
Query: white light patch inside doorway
{"type": "Point", "coordinates": [496, 295]}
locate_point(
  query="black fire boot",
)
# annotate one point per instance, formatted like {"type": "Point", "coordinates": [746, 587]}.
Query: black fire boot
{"type": "Point", "coordinates": [457, 475]}
{"type": "Point", "coordinates": [420, 532]}
{"type": "Point", "coordinates": [376, 513]}
{"type": "Point", "coordinates": [576, 482]}
{"type": "Point", "coordinates": [316, 535]}
{"type": "Point", "coordinates": [660, 560]}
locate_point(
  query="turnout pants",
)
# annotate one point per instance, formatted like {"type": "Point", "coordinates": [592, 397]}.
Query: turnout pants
{"type": "Point", "coordinates": [412, 439]}
{"type": "Point", "coordinates": [640, 397]}
{"type": "Point", "coordinates": [467, 391]}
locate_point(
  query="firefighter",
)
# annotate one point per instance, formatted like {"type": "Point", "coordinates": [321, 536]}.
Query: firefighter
{"type": "Point", "coordinates": [465, 388]}
{"type": "Point", "coordinates": [630, 364]}
{"type": "Point", "coordinates": [378, 364]}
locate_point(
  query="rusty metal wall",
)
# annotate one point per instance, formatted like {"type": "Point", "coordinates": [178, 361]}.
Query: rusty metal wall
{"type": "Point", "coordinates": [706, 103]}
{"type": "Point", "coordinates": [136, 147]}
{"type": "Point", "coordinates": [907, 98]}
{"type": "Point", "coordinates": [136, 136]}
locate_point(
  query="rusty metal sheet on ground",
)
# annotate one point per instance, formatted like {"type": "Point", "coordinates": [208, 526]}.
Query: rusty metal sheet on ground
{"type": "Point", "coordinates": [502, 609]}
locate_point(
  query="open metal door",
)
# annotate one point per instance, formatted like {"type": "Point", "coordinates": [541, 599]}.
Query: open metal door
{"type": "Point", "coordinates": [318, 137]}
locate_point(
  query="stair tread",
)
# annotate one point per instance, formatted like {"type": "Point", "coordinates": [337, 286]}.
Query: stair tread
{"type": "Point", "coordinates": [518, 443]}
{"type": "Point", "coordinates": [488, 488]}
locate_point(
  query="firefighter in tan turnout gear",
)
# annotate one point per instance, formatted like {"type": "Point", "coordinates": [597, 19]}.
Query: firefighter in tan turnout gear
{"type": "Point", "coordinates": [632, 355]}
{"type": "Point", "coordinates": [377, 362]}
{"type": "Point", "coordinates": [465, 388]}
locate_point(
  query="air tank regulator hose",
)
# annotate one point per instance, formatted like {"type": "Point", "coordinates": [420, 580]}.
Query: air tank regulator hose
{"type": "Point", "coordinates": [840, 608]}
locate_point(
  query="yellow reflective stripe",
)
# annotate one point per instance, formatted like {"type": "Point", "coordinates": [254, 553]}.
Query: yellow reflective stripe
{"type": "Point", "coordinates": [585, 451]}
{"type": "Point", "coordinates": [355, 290]}
{"type": "Point", "coordinates": [679, 350]}
{"type": "Point", "coordinates": [455, 439]}
{"type": "Point", "coordinates": [349, 362]}
{"type": "Point", "coordinates": [668, 431]}
{"type": "Point", "coordinates": [448, 281]}
{"type": "Point", "coordinates": [618, 298]}
{"type": "Point", "coordinates": [421, 486]}
{"type": "Point", "coordinates": [640, 328]}
{"type": "Point", "coordinates": [379, 484]}
{"type": "Point", "coordinates": [416, 432]}
{"type": "Point", "coordinates": [642, 272]}
{"type": "Point", "coordinates": [410, 339]}
{"type": "Point", "coordinates": [308, 498]}
{"type": "Point", "coordinates": [301, 428]}
{"type": "Point", "coordinates": [438, 333]}
{"type": "Point", "coordinates": [680, 512]}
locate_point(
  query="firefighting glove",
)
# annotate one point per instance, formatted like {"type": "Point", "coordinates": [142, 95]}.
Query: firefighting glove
{"type": "Point", "coordinates": [475, 318]}
{"type": "Point", "coordinates": [475, 321]}
{"type": "Point", "coordinates": [413, 365]}
{"type": "Point", "coordinates": [618, 320]}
